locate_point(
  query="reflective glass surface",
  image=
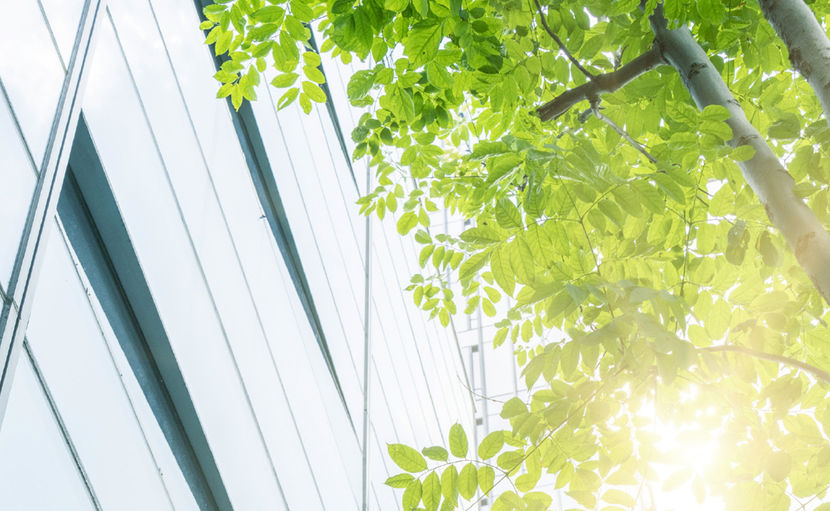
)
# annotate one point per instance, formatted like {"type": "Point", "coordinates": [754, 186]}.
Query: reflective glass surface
{"type": "Point", "coordinates": [37, 470]}
{"type": "Point", "coordinates": [68, 340]}
{"type": "Point", "coordinates": [33, 89]}
{"type": "Point", "coordinates": [177, 231]}
{"type": "Point", "coordinates": [17, 179]}
{"type": "Point", "coordinates": [64, 16]}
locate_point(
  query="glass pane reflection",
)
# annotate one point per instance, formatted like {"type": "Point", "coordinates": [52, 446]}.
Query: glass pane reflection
{"type": "Point", "coordinates": [33, 90]}
{"type": "Point", "coordinates": [36, 468]}
{"type": "Point", "coordinates": [18, 181]}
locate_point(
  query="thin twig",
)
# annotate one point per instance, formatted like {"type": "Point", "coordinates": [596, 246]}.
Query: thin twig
{"type": "Point", "coordinates": [601, 84]}
{"type": "Point", "coordinates": [560, 43]}
{"type": "Point", "coordinates": [476, 394]}
{"type": "Point", "coordinates": [815, 371]}
{"type": "Point", "coordinates": [621, 132]}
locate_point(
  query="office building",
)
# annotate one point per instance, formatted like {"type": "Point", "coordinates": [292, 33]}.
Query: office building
{"type": "Point", "coordinates": [185, 317]}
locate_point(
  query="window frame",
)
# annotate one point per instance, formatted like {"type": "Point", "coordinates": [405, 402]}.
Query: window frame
{"type": "Point", "coordinates": [95, 229]}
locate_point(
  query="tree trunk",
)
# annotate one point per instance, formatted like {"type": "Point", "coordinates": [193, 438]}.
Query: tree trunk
{"type": "Point", "coordinates": [764, 173]}
{"type": "Point", "coordinates": [806, 42]}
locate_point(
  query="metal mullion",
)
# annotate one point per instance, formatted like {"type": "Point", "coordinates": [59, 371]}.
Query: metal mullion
{"type": "Point", "coordinates": [67, 439]}
{"type": "Point", "coordinates": [51, 33]}
{"type": "Point", "coordinates": [14, 317]}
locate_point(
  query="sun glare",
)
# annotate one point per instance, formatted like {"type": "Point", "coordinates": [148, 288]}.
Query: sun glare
{"type": "Point", "coordinates": [687, 452]}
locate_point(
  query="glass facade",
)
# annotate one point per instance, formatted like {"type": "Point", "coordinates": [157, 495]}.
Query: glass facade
{"type": "Point", "coordinates": [189, 329]}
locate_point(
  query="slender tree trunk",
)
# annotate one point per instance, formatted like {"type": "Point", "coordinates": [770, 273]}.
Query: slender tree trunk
{"type": "Point", "coordinates": [764, 173]}
{"type": "Point", "coordinates": [806, 42]}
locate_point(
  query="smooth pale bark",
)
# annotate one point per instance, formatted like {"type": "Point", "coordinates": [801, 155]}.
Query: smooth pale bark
{"type": "Point", "coordinates": [764, 173]}
{"type": "Point", "coordinates": [806, 42]}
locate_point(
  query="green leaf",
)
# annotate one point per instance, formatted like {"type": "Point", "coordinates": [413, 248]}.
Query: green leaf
{"type": "Point", "coordinates": [468, 481]}
{"type": "Point", "coordinates": [788, 127]}
{"type": "Point", "coordinates": [296, 29]}
{"type": "Point", "coordinates": [412, 495]}
{"type": "Point", "coordinates": [778, 465]}
{"type": "Point", "coordinates": [502, 270]}
{"type": "Point", "coordinates": [305, 104]}
{"type": "Point", "coordinates": [263, 33]}
{"type": "Point", "coordinates": [315, 75]}
{"type": "Point", "coordinates": [435, 452]}
{"type": "Point", "coordinates": [486, 478]}
{"type": "Point", "coordinates": [742, 153]}
{"type": "Point", "coordinates": [431, 493]}
{"type": "Point", "coordinates": [449, 484]}
{"type": "Point", "coordinates": [501, 165]}
{"type": "Point", "coordinates": [768, 251]}
{"type": "Point", "coordinates": [360, 84]}
{"type": "Point", "coordinates": [223, 42]}
{"type": "Point", "coordinates": [481, 235]}
{"type": "Point", "coordinates": [407, 458]}
{"type": "Point", "coordinates": [717, 128]}
{"type": "Point", "coordinates": [473, 264]}
{"type": "Point", "coordinates": [711, 10]}
{"type": "Point", "coordinates": [458, 441]}
{"type": "Point", "coordinates": [508, 215]}
{"type": "Point", "coordinates": [287, 98]}
{"type": "Point", "coordinates": [513, 407]}
{"type": "Point", "coordinates": [422, 41]}
{"type": "Point", "coordinates": [400, 480]}
{"type": "Point", "coordinates": [301, 11]}
{"type": "Point", "coordinates": [396, 5]}
{"type": "Point", "coordinates": [407, 222]}
{"type": "Point", "coordinates": [715, 113]}
{"type": "Point", "coordinates": [491, 445]}
{"type": "Point", "coordinates": [620, 497]}
{"type": "Point", "coordinates": [285, 80]}
{"type": "Point", "coordinates": [224, 91]}
{"type": "Point", "coordinates": [269, 14]}
{"type": "Point", "coordinates": [236, 96]}
{"type": "Point", "coordinates": [314, 92]}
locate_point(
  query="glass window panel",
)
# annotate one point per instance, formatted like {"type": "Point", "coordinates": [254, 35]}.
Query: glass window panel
{"type": "Point", "coordinates": [288, 334]}
{"type": "Point", "coordinates": [33, 89]}
{"type": "Point", "coordinates": [315, 405]}
{"type": "Point", "coordinates": [211, 238]}
{"type": "Point", "coordinates": [65, 335]}
{"type": "Point", "coordinates": [37, 470]}
{"type": "Point", "coordinates": [165, 249]}
{"type": "Point", "coordinates": [395, 325]}
{"type": "Point", "coordinates": [64, 16]}
{"type": "Point", "coordinates": [322, 205]}
{"type": "Point", "coordinates": [18, 178]}
{"type": "Point", "coordinates": [303, 232]}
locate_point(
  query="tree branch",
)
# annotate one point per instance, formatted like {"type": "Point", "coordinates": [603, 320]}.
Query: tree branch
{"type": "Point", "coordinates": [601, 84]}
{"type": "Point", "coordinates": [804, 232]}
{"type": "Point", "coordinates": [560, 43]}
{"type": "Point", "coordinates": [806, 41]}
{"type": "Point", "coordinates": [815, 371]}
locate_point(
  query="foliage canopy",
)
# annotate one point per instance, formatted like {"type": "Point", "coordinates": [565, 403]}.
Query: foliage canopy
{"type": "Point", "coordinates": [619, 246]}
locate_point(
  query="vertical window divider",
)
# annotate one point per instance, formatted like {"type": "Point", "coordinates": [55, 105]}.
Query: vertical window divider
{"type": "Point", "coordinates": [14, 316]}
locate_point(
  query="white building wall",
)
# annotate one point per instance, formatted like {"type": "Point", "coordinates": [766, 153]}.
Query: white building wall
{"type": "Point", "coordinates": [275, 423]}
